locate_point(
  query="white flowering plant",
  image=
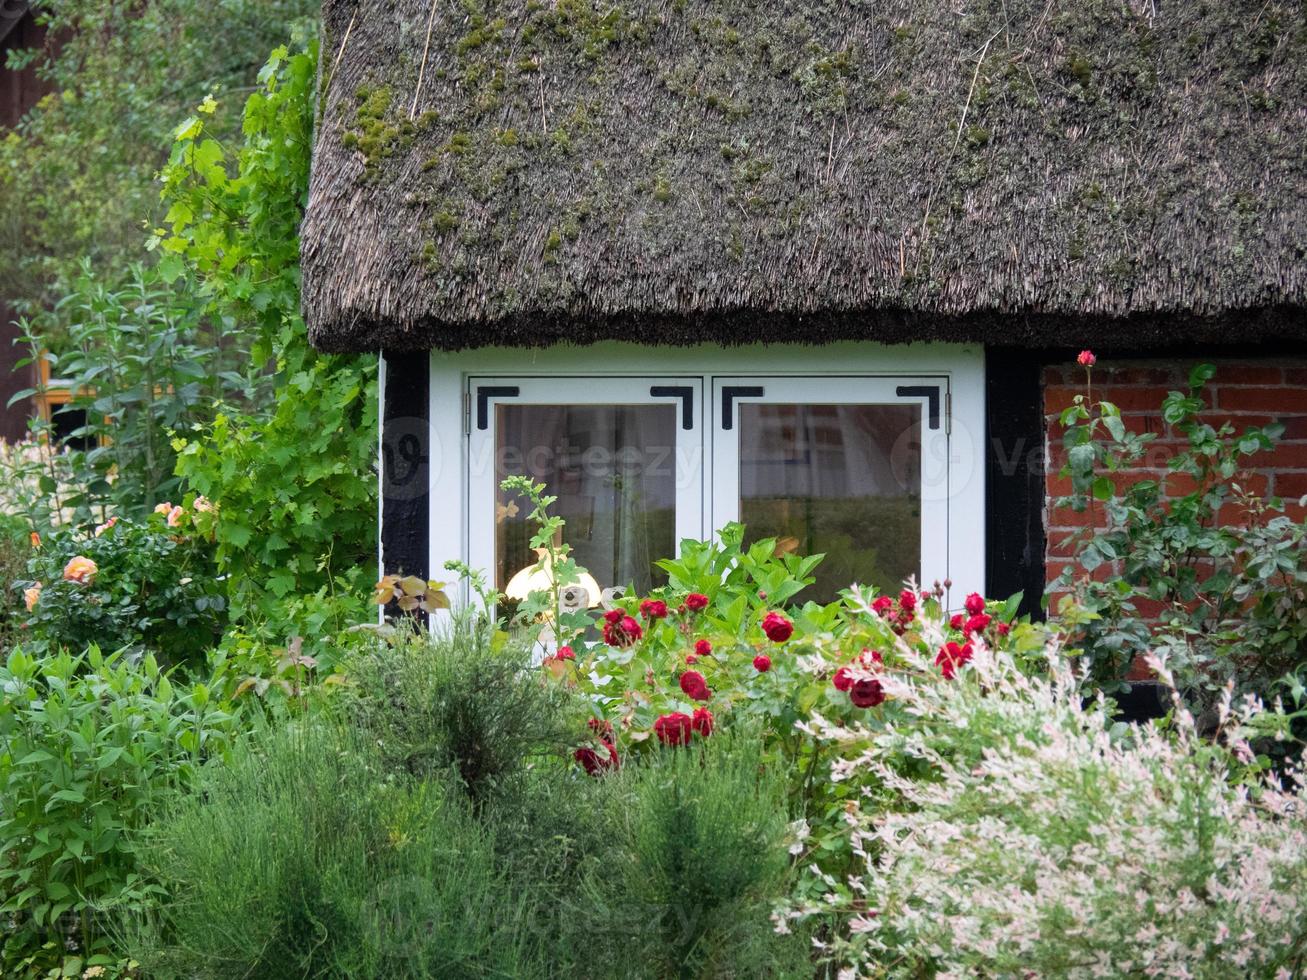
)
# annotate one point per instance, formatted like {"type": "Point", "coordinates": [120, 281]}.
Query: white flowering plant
{"type": "Point", "coordinates": [1004, 825]}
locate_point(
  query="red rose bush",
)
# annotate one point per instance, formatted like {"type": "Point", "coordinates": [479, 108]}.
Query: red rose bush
{"type": "Point", "coordinates": [959, 807]}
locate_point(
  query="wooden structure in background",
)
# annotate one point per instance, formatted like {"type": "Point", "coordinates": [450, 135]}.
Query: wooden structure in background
{"type": "Point", "coordinates": [19, 91]}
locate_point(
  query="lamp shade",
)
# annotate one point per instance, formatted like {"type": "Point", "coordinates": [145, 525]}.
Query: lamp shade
{"type": "Point", "coordinates": [540, 578]}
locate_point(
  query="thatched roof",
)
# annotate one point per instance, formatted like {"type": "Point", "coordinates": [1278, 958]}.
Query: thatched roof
{"type": "Point", "coordinates": [1053, 171]}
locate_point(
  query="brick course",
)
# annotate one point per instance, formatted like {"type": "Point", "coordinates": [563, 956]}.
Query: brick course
{"type": "Point", "coordinates": [1245, 393]}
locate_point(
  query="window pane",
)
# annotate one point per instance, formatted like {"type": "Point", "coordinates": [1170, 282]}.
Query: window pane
{"type": "Point", "coordinates": [844, 480]}
{"type": "Point", "coordinates": [613, 470]}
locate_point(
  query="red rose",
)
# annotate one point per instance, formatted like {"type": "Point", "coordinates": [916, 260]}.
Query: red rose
{"type": "Point", "coordinates": [777, 627]}
{"type": "Point", "coordinates": [702, 721]}
{"type": "Point", "coordinates": [691, 658]}
{"type": "Point", "coordinates": [871, 657]}
{"type": "Point", "coordinates": [762, 663]}
{"type": "Point", "coordinates": [977, 623]}
{"type": "Point", "coordinates": [883, 604]}
{"type": "Point", "coordinates": [694, 686]}
{"type": "Point", "coordinates": [601, 725]}
{"type": "Point", "coordinates": [842, 679]}
{"type": "Point", "coordinates": [702, 648]}
{"type": "Point", "coordinates": [1003, 629]}
{"type": "Point", "coordinates": [908, 599]}
{"type": "Point", "coordinates": [594, 763]}
{"type": "Point", "coordinates": [958, 621]}
{"type": "Point", "coordinates": [621, 632]}
{"type": "Point", "coordinates": [1086, 358]}
{"type": "Point", "coordinates": [867, 693]}
{"type": "Point", "coordinates": [696, 602]}
{"type": "Point", "coordinates": [673, 729]}
{"type": "Point", "coordinates": [653, 609]}
{"type": "Point", "coordinates": [614, 615]}
{"type": "Point", "coordinates": [951, 657]}
{"type": "Point", "coordinates": [564, 653]}
{"type": "Point", "coordinates": [975, 603]}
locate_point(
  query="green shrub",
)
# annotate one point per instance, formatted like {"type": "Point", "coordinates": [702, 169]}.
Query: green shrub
{"type": "Point", "coordinates": [696, 862]}
{"type": "Point", "coordinates": [140, 586]}
{"type": "Point", "coordinates": [305, 857]}
{"type": "Point", "coordinates": [462, 700]}
{"type": "Point", "coordinates": [88, 744]}
{"type": "Point", "coordinates": [295, 480]}
{"type": "Point", "coordinates": [673, 864]}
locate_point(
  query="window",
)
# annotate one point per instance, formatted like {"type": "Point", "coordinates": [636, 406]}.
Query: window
{"type": "Point", "coordinates": [835, 466]}
{"type": "Point", "coordinates": [879, 470]}
{"type": "Point", "coordinates": [623, 457]}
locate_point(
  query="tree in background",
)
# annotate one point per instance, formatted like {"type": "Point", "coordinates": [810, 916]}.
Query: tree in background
{"type": "Point", "coordinates": [279, 438]}
{"type": "Point", "coordinates": [76, 175]}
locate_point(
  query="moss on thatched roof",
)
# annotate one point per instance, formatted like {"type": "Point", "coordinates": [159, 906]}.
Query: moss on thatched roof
{"type": "Point", "coordinates": [526, 171]}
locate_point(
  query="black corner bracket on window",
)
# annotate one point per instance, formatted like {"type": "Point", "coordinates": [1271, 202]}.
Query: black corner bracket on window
{"type": "Point", "coordinates": [729, 394]}
{"type": "Point", "coordinates": [930, 393]}
{"type": "Point", "coordinates": [685, 393]}
{"type": "Point", "coordinates": [488, 392]}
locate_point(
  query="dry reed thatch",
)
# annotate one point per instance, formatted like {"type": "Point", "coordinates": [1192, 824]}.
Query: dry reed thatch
{"type": "Point", "coordinates": [673, 171]}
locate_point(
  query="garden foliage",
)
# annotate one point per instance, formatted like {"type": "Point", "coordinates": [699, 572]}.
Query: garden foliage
{"type": "Point", "coordinates": [91, 744]}
{"type": "Point", "coordinates": [304, 857]}
{"type": "Point", "coordinates": [390, 843]}
{"type": "Point", "coordinates": [196, 376]}
{"type": "Point", "coordinates": [1019, 829]}
{"type": "Point", "coordinates": [1213, 578]}
{"type": "Point", "coordinates": [126, 585]}
{"type": "Point", "coordinates": [140, 362]}
{"type": "Point", "coordinates": [296, 481]}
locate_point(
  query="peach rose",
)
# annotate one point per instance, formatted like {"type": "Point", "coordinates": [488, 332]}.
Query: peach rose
{"type": "Point", "coordinates": [81, 570]}
{"type": "Point", "coordinates": [31, 596]}
{"type": "Point", "coordinates": [175, 517]}
{"type": "Point", "coordinates": [36, 540]}
{"type": "Point", "coordinates": [204, 505]}
{"type": "Point", "coordinates": [163, 508]}
{"type": "Point", "coordinates": [101, 528]}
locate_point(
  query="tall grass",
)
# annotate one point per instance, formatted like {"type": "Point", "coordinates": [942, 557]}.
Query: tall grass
{"type": "Point", "coordinates": [695, 863]}
{"type": "Point", "coordinates": [304, 858]}
{"type": "Point", "coordinates": [433, 824]}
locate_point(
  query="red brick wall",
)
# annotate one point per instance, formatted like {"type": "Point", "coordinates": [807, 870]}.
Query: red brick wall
{"type": "Point", "coordinates": [1245, 392]}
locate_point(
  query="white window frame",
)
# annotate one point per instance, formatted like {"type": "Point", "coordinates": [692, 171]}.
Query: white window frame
{"type": "Point", "coordinates": [545, 392]}
{"type": "Point", "coordinates": [844, 390]}
{"type": "Point", "coordinates": [961, 366]}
